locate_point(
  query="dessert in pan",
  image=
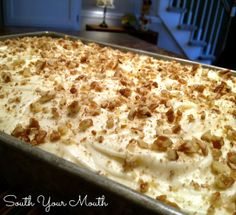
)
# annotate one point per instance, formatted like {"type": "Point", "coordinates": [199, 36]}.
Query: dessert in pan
{"type": "Point", "coordinates": [160, 127]}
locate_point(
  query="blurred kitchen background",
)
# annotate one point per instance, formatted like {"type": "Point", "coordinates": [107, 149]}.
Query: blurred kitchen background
{"type": "Point", "coordinates": [201, 30]}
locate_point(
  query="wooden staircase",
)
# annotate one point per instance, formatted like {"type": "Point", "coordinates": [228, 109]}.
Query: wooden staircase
{"type": "Point", "coordinates": [200, 27]}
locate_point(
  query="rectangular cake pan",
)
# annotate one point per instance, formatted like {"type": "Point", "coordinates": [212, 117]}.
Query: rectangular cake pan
{"type": "Point", "coordinates": [25, 167]}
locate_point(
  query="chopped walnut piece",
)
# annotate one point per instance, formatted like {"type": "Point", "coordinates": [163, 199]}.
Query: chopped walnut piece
{"type": "Point", "coordinates": [47, 96]}
{"type": "Point", "coordinates": [111, 105]}
{"type": "Point", "coordinates": [85, 124]}
{"type": "Point", "coordinates": [170, 115]}
{"type": "Point", "coordinates": [35, 107]}
{"type": "Point", "coordinates": [199, 88]}
{"type": "Point", "coordinates": [40, 136]}
{"type": "Point", "coordinates": [216, 154]}
{"type": "Point", "coordinates": [143, 186]}
{"type": "Point", "coordinates": [219, 168]}
{"type": "Point", "coordinates": [142, 144]}
{"type": "Point", "coordinates": [176, 129]}
{"type": "Point", "coordinates": [163, 198]}
{"type": "Point", "coordinates": [73, 108]}
{"type": "Point", "coordinates": [110, 122]}
{"type": "Point", "coordinates": [33, 123]}
{"type": "Point", "coordinates": [73, 90]}
{"type": "Point", "coordinates": [6, 77]}
{"type": "Point", "coordinates": [18, 130]}
{"type": "Point", "coordinates": [55, 114]}
{"type": "Point", "coordinates": [55, 136]}
{"type": "Point", "coordinates": [223, 181]}
{"type": "Point", "coordinates": [188, 147]}
{"type": "Point", "coordinates": [162, 143]}
{"type": "Point", "coordinates": [132, 114]}
{"type": "Point", "coordinates": [100, 139]}
{"type": "Point", "coordinates": [96, 86]}
{"type": "Point", "coordinates": [203, 146]}
{"type": "Point", "coordinates": [191, 118]}
{"type": "Point", "coordinates": [216, 141]}
{"type": "Point", "coordinates": [215, 199]}
{"type": "Point", "coordinates": [178, 116]}
{"type": "Point", "coordinates": [172, 154]}
{"type": "Point", "coordinates": [126, 92]}
{"type": "Point", "coordinates": [231, 160]}
{"type": "Point", "coordinates": [203, 116]}
{"type": "Point", "coordinates": [231, 133]}
{"type": "Point", "coordinates": [131, 145]}
{"type": "Point", "coordinates": [62, 129]}
{"type": "Point", "coordinates": [25, 73]}
{"type": "Point", "coordinates": [143, 112]}
{"type": "Point", "coordinates": [129, 163]}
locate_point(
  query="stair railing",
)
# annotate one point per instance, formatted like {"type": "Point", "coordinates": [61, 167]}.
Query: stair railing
{"type": "Point", "coordinates": [208, 21]}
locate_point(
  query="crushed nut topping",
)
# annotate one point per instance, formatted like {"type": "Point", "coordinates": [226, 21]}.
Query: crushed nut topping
{"type": "Point", "coordinates": [162, 143]}
{"type": "Point", "coordinates": [85, 124]}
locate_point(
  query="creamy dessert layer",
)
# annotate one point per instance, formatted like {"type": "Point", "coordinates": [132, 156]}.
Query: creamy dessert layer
{"type": "Point", "coordinates": [165, 129]}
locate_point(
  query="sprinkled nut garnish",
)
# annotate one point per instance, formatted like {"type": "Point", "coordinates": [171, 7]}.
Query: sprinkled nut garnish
{"type": "Point", "coordinates": [142, 144]}
{"type": "Point", "coordinates": [6, 77]}
{"type": "Point", "coordinates": [202, 145]}
{"type": "Point", "coordinates": [55, 136]}
{"type": "Point", "coordinates": [143, 112]}
{"type": "Point", "coordinates": [126, 92]}
{"type": "Point", "coordinates": [40, 136]}
{"type": "Point", "coordinates": [219, 168]}
{"type": "Point", "coordinates": [162, 143]}
{"type": "Point", "coordinates": [131, 145]}
{"type": "Point", "coordinates": [172, 154]}
{"type": "Point", "coordinates": [110, 122]}
{"type": "Point", "coordinates": [62, 129]}
{"type": "Point", "coordinates": [170, 115]}
{"type": "Point", "coordinates": [18, 130]}
{"type": "Point", "coordinates": [35, 107]}
{"type": "Point", "coordinates": [143, 186]}
{"type": "Point", "coordinates": [73, 90]}
{"type": "Point", "coordinates": [215, 199]}
{"type": "Point", "coordinates": [223, 181]}
{"type": "Point", "coordinates": [33, 123]}
{"type": "Point", "coordinates": [94, 133]}
{"type": "Point", "coordinates": [176, 129]}
{"type": "Point", "coordinates": [132, 114]}
{"type": "Point", "coordinates": [191, 118]}
{"type": "Point", "coordinates": [188, 147]}
{"type": "Point", "coordinates": [85, 124]}
{"type": "Point", "coordinates": [96, 86]}
{"type": "Point", "coordinates": [163, 198]}
{"type": "Point", "coordinates": [100, 139]}
{"type": "Point", "coordinates": [55, 114]}
{"type": "Point", "coordinates": [230, 132]}
{"type": "Point", "coordinates": [130, 163]}
{"type": "Point", "coordinates": [73, 108]}
{"type": "Point", "coordinates": [231, 160]}
{"type": "Point", "coordinates": [203, 116]}
{"type": "Point", "coordinates": [216, 141]}
{"type": "Point", "coordinates": [47, 96]}
{"type": "Point", "coordinates": [216, 154]}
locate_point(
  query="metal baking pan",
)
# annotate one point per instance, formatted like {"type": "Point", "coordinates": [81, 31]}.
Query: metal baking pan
{"type": "Point", "coordinates": [26, 167]}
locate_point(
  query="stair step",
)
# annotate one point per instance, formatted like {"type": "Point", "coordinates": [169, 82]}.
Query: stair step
{"type": "Point", "coordinates": [197, 43]}
{"type": "Point", "coordinates": [187, 27]}
{"type": "Point", "coordinates": [176, 9]}
{"type": "Point", "coordinates": [207, 57]}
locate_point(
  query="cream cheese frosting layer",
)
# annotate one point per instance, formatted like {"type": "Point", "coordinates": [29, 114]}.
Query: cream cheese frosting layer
{"type": "Point", "coordinates": [165, 129]}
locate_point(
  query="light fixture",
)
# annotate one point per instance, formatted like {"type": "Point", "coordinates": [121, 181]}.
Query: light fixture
{"type": "Point", "coordinates": [105, 4]}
